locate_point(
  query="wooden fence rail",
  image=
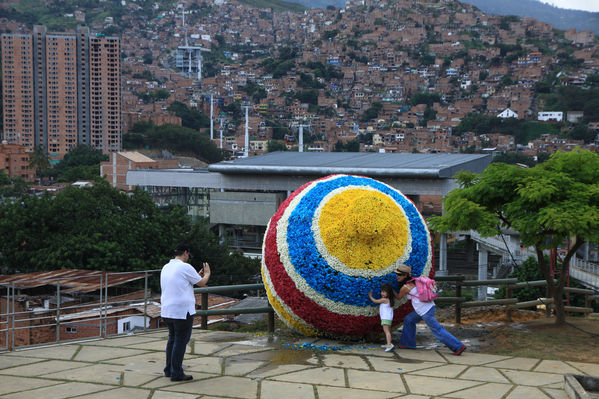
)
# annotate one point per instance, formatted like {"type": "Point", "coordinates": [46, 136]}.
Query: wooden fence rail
{"type": "Point", "coordinates": [510, 303]}
{"type": "Point", "coordinates": [219, 289]}
{"type": "Point", "coordinates": [459, 281]}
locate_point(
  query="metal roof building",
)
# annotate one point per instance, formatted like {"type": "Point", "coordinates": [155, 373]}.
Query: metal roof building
{"type": "Point", "coordinates": [413, 174]}
{"type": "Point", "coordinates": [241, 195]}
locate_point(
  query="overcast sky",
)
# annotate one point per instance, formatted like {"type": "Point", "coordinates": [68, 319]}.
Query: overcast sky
{"type": "Point", "coordinates": [587, 5]}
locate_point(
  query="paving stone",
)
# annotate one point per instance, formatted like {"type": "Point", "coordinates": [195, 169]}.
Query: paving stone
{"type": "Point", "coordinates": [435, 386]}
{"type": "Point", "coordinates": [236, 387]}
{"type": "Point", "coordinates": [63, 390]}
{"type": "Point", "coordinates": [234, 350]}
{"type": "Point", "coordinates": [487, 374]}
{"type": "Point", "coordinates": [12, 361]}
{"type": "Point", "coordinates": [162, 382]}
{"type": "Point", "coordinates": [129, 393]}
{"type": "Point", "coordinates": [320, 376]}
{"type": "Point", "coordinates": [149, 358]}
{"type": "Point", "coordinates": [557, 385]}
{"type": "Point", "coordinates": [487, 391]}
{"type": "Point", "coordinates": [173, 395]}
{"type": "Point", "coordinates": [555, 393]}
{"type": "Point", "coordinates": [18, 384]}
{"type": "Point", "coordinates": [587, 368]}
{"type": "Point", "coordinates": [99, 373]}
{"type": "Point", "coordinates": [135, 379]}
{"type": "Point", "coordinates": [420, 354]}
{"type": "Point", "coordinates": [532, 378]}
{"type": "Point", "coordinates": [207, 348]}
{"type": "Point", "coordinates": [410, 396]}
{"type": "Point", "coordinates": [92, 354]}
{"type": "Point", "coordinates": [367, 350]}
{"type": "Point", "coordinates": [516, 363]}
{"type": "Point", "coordinates": [278, 390]}
{"type": "Point", "coordinates": [241, 367]}
{"type": "Point", "coordinates": [447, 371]}
{"type": "Point", "coordinates": [126, 340]}
{"type": "Point", "coordinates": [204, 364]}
{"type": "Point", "coordinates": [352, 393]}
{"type": "Point", "coordinates": [345, 361]}
{"type": "Point", "coordinates": [473, 359]}
{"type": "Point", "coordinates": [61, 352]}
{"type": "Point", "coordinates": [273, 370]}
{"type": "Point", "coordinates": [526, 393]}
{"type": "Point", "coordinates": [375, 381]}
{"type": "Point", "coordinates": [555, 366]}
{"type": "Point", "coordinates": [42, 368]}
{"type": "Point", "coordinates": [399, 366]}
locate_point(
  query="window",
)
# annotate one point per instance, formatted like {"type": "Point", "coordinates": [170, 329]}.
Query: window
{"type": "Point", "coordinates": [127, 326]}
{"type": "Point", "coordinates": [71, 329]}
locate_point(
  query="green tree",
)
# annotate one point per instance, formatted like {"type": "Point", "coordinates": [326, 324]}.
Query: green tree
{"type": "Point", "coordinates": [548, 204]}
{"type": "Point", "coordinates": [274, 145]}
{"type": "Point", "coordinates": [80, 163]}
{"type": "Point", "coordinates": [38, 161]}
{"type": "Point", "coordinates": [102, 228]}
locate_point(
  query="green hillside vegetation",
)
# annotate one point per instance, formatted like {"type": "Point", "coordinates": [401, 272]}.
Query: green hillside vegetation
{"type": "Point", "coordinates": [276, 5]}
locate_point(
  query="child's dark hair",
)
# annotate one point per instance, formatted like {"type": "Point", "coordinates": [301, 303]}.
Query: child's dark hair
{"type": "Point", "coordinates": [389, 290]}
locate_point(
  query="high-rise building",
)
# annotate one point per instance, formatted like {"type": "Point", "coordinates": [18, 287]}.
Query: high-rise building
{"type": "Point", "coordinates": [61, 90]}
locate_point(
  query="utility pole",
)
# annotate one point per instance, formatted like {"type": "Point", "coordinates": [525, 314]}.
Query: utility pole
{"type": "Point", "coordinates": [246, 152]}
{"type": "Point", "coordinates": [301, 136]}
{"type": "Point", "coordinates": [221, 120]}
{"type": "Point", "coordinates": [211, 117]}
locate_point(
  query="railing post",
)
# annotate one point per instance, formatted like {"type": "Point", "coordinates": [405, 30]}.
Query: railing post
{"type": "Point", "coordinates": [105, 307]}
{"type": "Point", "coordinates": [508, 295]}
{"type": "Point", "coordinates": [13, 317]}
{"type": "Point", "coordinates": [100, 320]}
{"type": "Point", "coordinates": [458, 305]}
{"type": "Point", "coordinates": [204, 307]}
{"type": "Point", "coordinates": [7, 317]}
{"type": "Point", "coordinates": [145, 298]}
{"type": "Point", "coordinates": [58, 311]}
{"type": "Point", "coordinates": [587, 304]}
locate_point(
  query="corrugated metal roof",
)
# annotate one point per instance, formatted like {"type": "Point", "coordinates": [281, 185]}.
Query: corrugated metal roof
{"type": "Point", "coordinates": [371, 164]}
{"type": "Point", "coordinates": [71, 280]}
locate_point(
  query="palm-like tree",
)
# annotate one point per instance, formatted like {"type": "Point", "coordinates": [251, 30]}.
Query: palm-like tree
{"type": "Point", "coordinates": [38, 161]}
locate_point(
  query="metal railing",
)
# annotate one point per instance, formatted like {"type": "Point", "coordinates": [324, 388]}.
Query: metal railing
{"type": "Point", "coordinates": [65, 317]}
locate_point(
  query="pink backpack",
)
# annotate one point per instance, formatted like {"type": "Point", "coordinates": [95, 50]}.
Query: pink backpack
{"type": "Point", "coordinates": [427, 288]}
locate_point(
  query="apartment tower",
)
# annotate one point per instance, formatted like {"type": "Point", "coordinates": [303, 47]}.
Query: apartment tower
{"type": "Point", "coordinates": [61, 90]}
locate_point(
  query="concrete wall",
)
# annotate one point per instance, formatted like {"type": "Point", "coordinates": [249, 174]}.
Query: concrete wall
{"type": "Point", "coordinates": [244, 208]}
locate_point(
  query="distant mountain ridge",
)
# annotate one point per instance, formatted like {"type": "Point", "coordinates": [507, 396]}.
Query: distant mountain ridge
{"type": "Point", "coordinates": [558, 17]}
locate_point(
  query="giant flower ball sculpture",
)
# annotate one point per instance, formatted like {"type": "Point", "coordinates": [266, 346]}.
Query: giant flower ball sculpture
{"type": "Point", "coordinates": [331, 242]}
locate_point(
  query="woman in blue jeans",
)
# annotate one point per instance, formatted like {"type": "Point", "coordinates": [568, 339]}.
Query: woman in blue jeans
{"type": "Point", "coordinates": [422, 311]}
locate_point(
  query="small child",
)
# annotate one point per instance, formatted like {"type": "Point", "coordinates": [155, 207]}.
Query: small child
{"type": "Point", "coordinates": [386, 312]}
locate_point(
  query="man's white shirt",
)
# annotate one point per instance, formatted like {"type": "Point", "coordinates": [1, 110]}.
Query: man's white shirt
{"type": "Point", "coordinates": [177, 279]}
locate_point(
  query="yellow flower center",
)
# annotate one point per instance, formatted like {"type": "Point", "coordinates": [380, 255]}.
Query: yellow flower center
{"type": "Point", "coordinates": [364, 229]}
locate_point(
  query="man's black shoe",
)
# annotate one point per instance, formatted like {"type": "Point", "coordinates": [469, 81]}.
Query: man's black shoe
{"type": "Point", "coordinates": [184, 377]}
{"type": "Point", "coordinates": [167, 375]}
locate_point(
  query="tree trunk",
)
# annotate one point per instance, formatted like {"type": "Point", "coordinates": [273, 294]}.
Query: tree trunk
{"type": "Point", "coordinates": [558, 290]}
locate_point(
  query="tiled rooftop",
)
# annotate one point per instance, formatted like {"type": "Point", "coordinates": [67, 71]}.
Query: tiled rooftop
{"type": "Point", "coordinates": [232, 365]}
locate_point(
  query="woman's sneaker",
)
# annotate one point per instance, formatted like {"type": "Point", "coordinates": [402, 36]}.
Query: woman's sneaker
{"type": "Point", "coordinates": [389, 348]}
{"type": "Point", "coordinates": [459, 351]}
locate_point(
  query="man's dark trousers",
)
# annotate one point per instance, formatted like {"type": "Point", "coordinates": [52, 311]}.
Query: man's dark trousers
{"type": "Point", "coordinates": [179, 333]}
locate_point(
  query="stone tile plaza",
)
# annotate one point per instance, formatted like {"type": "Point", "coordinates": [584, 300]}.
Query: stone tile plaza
{"type": "Point", "coordinates": [233, 365]}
